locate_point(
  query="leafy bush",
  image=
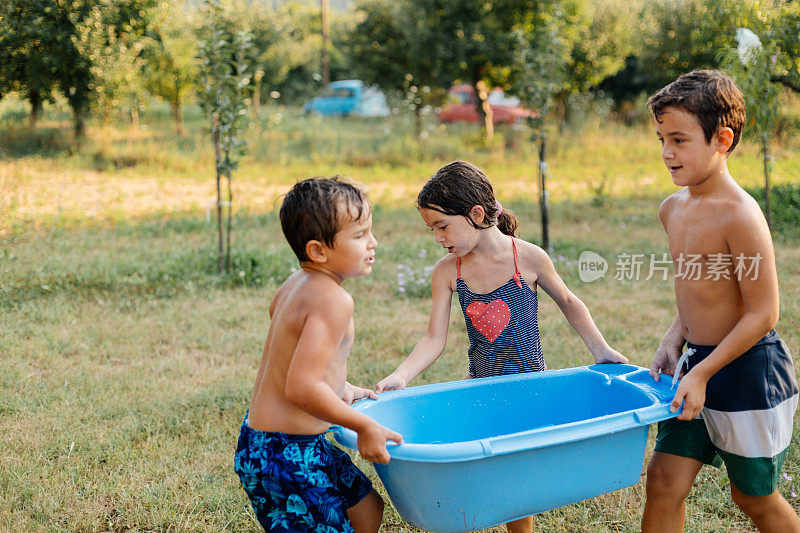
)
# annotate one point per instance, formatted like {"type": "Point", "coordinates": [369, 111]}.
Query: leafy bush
{"type": "Point", "coordinates": [784, 202]}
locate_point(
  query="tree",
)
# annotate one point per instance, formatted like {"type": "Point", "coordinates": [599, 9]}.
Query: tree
{"type": "Point", "coordinates": [541, 74]}
{"type": "Point", "coordinates": [472, 41]}
{"type": "Point", "coordinates": [784, 22]}
{"type": "Point", "coordinates": [283, 43]}
{"type": "Point", "coordinates": [388, 48]}
{"type": "Point", "coordinates": [685, 35]}
{"type": "Point", "coordinates": [287, 40]}
{"type": "Point", "coordinates": [170, 71]}
{"type": "Point", "coordinates": [110, 36]}
{"type": "Point", "coordinates": [223, 55]}
{"type": "Point", "coordinates": [61, 45]}
{"type": "Point", "coordinates": [37, 54]}
{"type": "Point", "coordinates": [753, 66]}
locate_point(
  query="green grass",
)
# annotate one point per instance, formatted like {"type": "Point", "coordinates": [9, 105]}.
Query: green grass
{"type": "Point", "coordinates": [127, 361]}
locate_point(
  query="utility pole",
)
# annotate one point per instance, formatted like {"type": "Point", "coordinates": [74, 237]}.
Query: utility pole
{"type": "Point", "coordinates": [326, 74]}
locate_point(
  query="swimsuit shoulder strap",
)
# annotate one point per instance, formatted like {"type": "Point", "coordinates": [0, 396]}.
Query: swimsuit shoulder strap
{"type": "Point", "coordinates": [517, 274]}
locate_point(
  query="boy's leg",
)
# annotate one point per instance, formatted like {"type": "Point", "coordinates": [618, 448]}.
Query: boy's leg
{"type": "Point", "coordinates": [771, 513]}
{"type": "Point", "coordinates": [669, 480]}
{"type": "Point", "coordinates": [520, 525]}
{"type": "Point", "coordinates": [366, 516]}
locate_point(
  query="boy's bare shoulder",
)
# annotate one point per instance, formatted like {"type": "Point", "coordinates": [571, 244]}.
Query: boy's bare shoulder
{"type": "Point", "coordinates": [741, 204]}
{"type": "Point", "coordinates": [308, 292]}
{"type": "Point", "coordinates": [741, 214]}
{"type": "Point", "coordinates": [327, 295]}
{"type": "Point", "coordinates": [669, 204]}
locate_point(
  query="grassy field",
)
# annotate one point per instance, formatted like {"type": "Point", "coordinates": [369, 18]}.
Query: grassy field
{"type": "Point", "coordinates": [126, 362]}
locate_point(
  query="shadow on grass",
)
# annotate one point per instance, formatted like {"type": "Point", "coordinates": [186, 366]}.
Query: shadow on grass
{"type": "Point", "coordinates": [165, 276]}
{"type": "Point", "coordinates": [19, 141]}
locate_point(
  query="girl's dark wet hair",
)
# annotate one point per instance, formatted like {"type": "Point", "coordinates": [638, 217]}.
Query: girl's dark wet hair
{"type": "Point", "coordinates": [458, 187]}
{"type": "Point", "coordinates": [317, 208]}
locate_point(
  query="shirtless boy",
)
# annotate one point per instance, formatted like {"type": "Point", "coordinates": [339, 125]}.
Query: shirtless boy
{"type": "Point", "coordinates": [741, 379]}
{"type": "Point", "coordinates": [295, 478]}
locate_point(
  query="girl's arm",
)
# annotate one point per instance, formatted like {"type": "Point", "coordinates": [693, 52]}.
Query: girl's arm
{"type": "Point", "coordinates": [575, 311]}
{"type": "Point", "coordinates": [669, 350]}
{"type": "Point", "coordinates": [432, 344]}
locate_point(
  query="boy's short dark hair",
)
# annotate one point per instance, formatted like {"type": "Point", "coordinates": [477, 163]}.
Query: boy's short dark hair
{"type": "Point", "coordinates": [710, 95]}
{"type": "Point", "coordinates": [316, 208]}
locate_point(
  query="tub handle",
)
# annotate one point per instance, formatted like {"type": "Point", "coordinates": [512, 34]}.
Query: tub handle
{"type": "Point", "coordinates": [655, 413]}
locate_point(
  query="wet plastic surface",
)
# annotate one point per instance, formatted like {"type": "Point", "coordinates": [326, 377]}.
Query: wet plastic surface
{"type": "Point", "coordinates": [481, 452]}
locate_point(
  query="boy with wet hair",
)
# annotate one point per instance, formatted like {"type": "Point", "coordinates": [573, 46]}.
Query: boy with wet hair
{"type": "Point", "coordinates": [295, 478]}
{"type": "Point", "coordinates": [740, 377]}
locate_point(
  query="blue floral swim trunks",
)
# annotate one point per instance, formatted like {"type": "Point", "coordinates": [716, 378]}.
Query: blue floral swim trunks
{"type": "Point", "coordinates": [298, 483]}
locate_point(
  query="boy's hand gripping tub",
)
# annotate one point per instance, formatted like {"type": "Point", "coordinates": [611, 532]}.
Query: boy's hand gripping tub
{"type": "Point", "coordinates": [481, 452]}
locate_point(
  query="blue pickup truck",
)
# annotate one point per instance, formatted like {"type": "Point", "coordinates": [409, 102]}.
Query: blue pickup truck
{"type": "Point", "coordinates": [349, 97]}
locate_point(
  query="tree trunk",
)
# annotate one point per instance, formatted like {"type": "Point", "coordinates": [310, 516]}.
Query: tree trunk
{"type": "Point", "coordinates": [135, 116]}
{"type": "Point", "coordinates": [35, 98]}
{"type": "Point", "coordinates": [228, 233]}
{"type": "Point", "coordinates": [786, 81]}
{"type": "Point", "coordinates": [79, 123]}
{"type": "Point", "coordinates": [417, 121]}
{"type": "Point", "coordinates": [326, 73]}
{"type": "Point", "coordinates": [177, 114]}
{"type": "Point", "coordinates": [482, 105]}
{"type": "Point", "coordinates": [543, 189]}
{"type": "Point", "coordinates": [767, 161]}
{"type": "Point", "coordinates": [257, 97]}
{"type": "Point", "coordinates": [220, 242]}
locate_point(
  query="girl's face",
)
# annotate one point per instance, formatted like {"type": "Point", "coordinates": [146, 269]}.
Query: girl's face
{"type": "Point", "coordinates": [454, 232]}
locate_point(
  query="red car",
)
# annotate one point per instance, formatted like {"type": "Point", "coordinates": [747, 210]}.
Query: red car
{"type": "Point", "coordinates": [461, 107]}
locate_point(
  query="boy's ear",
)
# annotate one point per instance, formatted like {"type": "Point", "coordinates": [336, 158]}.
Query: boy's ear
{"type": "Point", "coordinates": [315, 251]}
{"type": "Point", "coordinates": [724, 138]}
{"type": "Point", "coordinates": [477, 214]}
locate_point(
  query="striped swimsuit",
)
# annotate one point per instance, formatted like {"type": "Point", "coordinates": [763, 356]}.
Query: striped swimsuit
{"type": "Point", "coordinates": [502, 326]}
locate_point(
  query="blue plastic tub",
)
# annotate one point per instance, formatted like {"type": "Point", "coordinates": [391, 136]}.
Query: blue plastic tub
{"type": "Point", "coordinates": [481, 452]}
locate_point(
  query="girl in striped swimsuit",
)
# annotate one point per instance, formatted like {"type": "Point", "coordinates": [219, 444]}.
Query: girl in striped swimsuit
{"type": "Point", "coordinates": [496, 276]}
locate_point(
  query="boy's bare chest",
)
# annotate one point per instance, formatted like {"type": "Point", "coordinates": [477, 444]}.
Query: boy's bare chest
{"type": "Point", "coordinates": [699, 247]}
{"type": "Point", "coordinates": [696, 231]}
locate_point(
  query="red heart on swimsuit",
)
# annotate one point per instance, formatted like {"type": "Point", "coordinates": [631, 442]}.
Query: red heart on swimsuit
{"type": "Point", "coordinates": [490, 319]}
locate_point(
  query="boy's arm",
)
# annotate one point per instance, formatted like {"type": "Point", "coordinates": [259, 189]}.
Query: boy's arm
{"type": "Point", "coordinates": [749, 239]}
{"type": "Point", "coordinates": [575, 311]}
{"type": "Point", "coordinates": [669, 349]}
{"type": "Point", "coordinates": [306, 387]}
{"type": "Point", "coordinates": [432, 344]}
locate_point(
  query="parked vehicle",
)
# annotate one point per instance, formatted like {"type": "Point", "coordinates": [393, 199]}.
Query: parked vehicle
{"type": "Point", "coordinates": [349, 97]}
{"type": "Point", "coordinates": [461, 108]}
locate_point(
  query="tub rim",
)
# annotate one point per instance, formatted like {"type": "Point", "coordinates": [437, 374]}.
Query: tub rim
{"type": "Point", "coordinates": [659, 393]}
